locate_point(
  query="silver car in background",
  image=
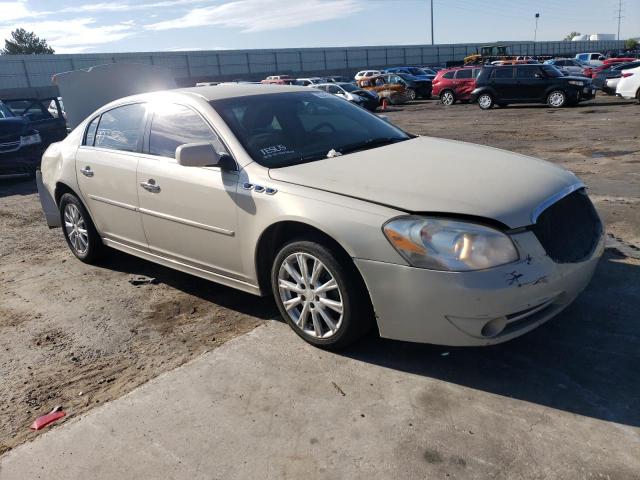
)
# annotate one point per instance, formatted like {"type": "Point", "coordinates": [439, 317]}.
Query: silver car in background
{"type": "Point", "coordinates": [350, 222]}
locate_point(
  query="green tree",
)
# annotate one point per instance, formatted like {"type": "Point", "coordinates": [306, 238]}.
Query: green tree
{"type": "Point", "coordinates": [631, 44]}
{"type": "Point", "coordinates": [571, 35]}
{"type": "Point", "coordinates": [25, 43]}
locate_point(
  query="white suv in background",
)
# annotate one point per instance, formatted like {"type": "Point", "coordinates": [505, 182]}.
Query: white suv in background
{"type": "Point", "coordinates": [367, 73]}
{"type": "Point", "coordinates": [629, 84]}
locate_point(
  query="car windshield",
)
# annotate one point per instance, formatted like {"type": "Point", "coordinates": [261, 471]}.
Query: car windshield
{"type": "Point", "coordinates": [5, 112]}
{"type": "Point", "coordinates": [552, 71]}
{"type": "Point", "coordinates": [283, 129]}
{"type": "Point", "coordinates": [349, 87]}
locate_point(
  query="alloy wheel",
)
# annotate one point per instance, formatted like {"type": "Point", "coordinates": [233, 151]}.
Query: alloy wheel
{"type": "Point", "coordinates": [447, 98]}
{"type": "Point", "coordinates": [485, 101]}
{"type": "Point", "coordinates": [310, 295]}
{"type": "Point", "coordinates": [76, 229]}
{"type": "Point", "coordinates": [556, 99]}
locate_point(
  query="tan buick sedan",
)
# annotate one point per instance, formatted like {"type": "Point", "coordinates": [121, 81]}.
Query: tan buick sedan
{"type": "Point", "coordinates": [347, 220]}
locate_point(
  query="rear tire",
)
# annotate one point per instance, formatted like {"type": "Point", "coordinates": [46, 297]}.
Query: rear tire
{"type": "Point", "coordinates": [78, 229]}
{"type": "Point", "coordinates": [447, 98]}
{"type": "Point", "coordinates": [320, 295]}
{"type": "Point", "coordinates": [638, 96]}
{"type": "Point", "coordinates": [485, 101]}
{"type": "Point", "coordinates": [556, 99]}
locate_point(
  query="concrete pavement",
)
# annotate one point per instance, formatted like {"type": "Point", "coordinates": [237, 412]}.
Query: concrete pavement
{"type": "Point", "coordinates": [266, 405]}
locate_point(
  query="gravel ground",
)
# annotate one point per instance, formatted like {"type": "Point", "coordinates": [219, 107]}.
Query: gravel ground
{"type": "Point", "coordinates": [77, 336]}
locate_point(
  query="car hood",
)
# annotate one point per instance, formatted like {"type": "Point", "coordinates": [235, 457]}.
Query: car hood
{"type": "Point", "coordinates": [430, 175]}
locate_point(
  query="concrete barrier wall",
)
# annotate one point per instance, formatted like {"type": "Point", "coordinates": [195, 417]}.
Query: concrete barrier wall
{"type": "Point", "coordinates": [188, 67]}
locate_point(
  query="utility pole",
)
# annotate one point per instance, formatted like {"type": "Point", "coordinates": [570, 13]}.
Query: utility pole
{"type": "Point", "coordinates": [535, 30]}
{"type": "Point", "coordinates": [619, 16]}
{"type": "Point", "coordinates": [432, 24]}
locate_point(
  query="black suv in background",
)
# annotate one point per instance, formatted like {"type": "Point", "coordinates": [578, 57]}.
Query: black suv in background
{"type": "Point", "coordinates": [415, 86]}
{"type": "Point", "coordinates": [502, 85]}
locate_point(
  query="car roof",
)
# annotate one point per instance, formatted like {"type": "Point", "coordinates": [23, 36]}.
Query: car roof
{"type": "Point", "coordinates": [208, 93]}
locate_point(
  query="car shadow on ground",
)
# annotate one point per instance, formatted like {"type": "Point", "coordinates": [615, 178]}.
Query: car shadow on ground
{"type": "Point", "coordinates": [260, 307]}
{"type": "Point", "coordinates": [584, 361]}
{"type": "Point", "coordinates": [18, 186]}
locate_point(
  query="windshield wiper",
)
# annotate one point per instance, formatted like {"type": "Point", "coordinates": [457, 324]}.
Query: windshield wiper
{"type": "Point", "coordinates": [370, 143]}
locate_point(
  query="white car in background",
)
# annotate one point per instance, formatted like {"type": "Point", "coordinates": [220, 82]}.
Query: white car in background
{"type": "Point", "coordinates": [594, 59]}
{"type": "Point", "coordinates": [309, 82]}
{"type": "Point", "coordinates": [629, 84]}
{"type": "Point", "coordinates": [367, 73]}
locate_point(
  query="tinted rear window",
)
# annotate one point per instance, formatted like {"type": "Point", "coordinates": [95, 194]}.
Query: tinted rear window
{"type": "Point", "coordinates": [462, 74]}
{"type": "Point", "coordinates": [448, 75]}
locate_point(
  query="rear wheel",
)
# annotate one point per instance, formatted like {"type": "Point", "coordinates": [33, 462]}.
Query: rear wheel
{"type": "Point", "coordinates": [447, 98]}
{"type": "Point", "coordinates": [323, 300]}
{"type": "Point", "coordinates": [78, 229]}
{"type": "Point", "coordinates": [485, 101]}
{"type": "Point", "coordinates": [638, 95]}
{"type": "Point", "coordinates": [556, 99]}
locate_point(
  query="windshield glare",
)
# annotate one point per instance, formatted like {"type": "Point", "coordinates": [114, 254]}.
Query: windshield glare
{"type": "Point", "coordinates": [283, 129]}
{"type": "Point", "coordinates": [349, 87]}
{"type": "Point", "coordinates": [5, 112]}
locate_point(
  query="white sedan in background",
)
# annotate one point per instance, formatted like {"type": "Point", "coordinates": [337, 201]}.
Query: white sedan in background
{"type": "Point", "coordinates": [629, 84]}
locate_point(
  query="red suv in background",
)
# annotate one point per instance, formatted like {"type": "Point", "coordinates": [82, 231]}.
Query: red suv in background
{"type": "Point", "coordinates": [455, 84]}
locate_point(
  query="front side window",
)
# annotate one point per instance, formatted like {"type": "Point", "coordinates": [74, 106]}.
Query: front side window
{"type": "Point", "coordinates": [552, 71]}
{"type": "Point", "coordinates": [174, 125]}
{"type": "Point", "coordinates": [121, 128]}
{"type": "Point", "coordinates": [283, 129]}
{"type": "Point", "coordinates": [527, 72]}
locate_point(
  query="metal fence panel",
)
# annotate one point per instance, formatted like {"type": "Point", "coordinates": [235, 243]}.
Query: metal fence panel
{"type": "Point", "coordinates": [188, 67]}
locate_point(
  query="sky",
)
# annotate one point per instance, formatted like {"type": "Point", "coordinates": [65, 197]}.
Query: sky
{"type": "Point", "coordinates": [78, 26]}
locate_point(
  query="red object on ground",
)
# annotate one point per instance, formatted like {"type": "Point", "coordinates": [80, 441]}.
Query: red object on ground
{"type": "Point", "coordinates": [47, 419]}
{"type": "Point", "coordinates": [384, 104]}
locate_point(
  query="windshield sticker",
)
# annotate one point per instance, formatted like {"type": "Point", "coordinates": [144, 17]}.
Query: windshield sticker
{"type": "Point", "coordinates": [275, 150]}
{"type": "Point", "coordinates": [321, 94]}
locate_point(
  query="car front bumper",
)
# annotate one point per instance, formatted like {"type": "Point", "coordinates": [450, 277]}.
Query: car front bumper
{"type": "Point", "coordinates": [475, 308]}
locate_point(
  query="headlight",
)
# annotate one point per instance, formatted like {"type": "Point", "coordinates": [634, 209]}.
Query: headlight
{"type": "Point", "coordinates": [441, 244]}
{"type": "Point", "coordinates": [30, 139]}
{"type": "Point", "coordinates": [576, 82]}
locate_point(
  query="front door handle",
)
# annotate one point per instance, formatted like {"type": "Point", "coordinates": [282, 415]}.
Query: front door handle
{"type": "Point", "coordinates": [87, 172]}
{"type": "Point", "coordinates": [150, 185]}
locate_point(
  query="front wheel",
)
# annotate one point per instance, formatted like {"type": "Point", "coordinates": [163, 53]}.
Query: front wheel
{"type": "Point", "coordinates": [411, 94]}
{"type": "Point", "coordinates": [485, 101]}
{"type": "Point", "coordinates": [322, 299]}
{"type": "Point", "coordinates": [556, 99]}
{"type": "Point", "coordinates": [78, 229]}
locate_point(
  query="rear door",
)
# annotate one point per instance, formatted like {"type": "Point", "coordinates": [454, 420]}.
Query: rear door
{"type": "Point", "coordinates": [189, 213]}
{"type": "Point", "coordinates": [504, 83]}
{"type": "Point", "coordinates": [106, 165]}
{"type": "Point", "coordinates": [465, 83]}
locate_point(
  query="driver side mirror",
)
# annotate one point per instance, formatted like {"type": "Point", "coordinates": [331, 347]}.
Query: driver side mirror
{"type": "Point", "coordinates": [203, 155]}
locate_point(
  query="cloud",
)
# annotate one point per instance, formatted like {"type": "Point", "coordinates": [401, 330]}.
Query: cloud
{"type": "Point", "coordinates": [263, 15]}
{"type": "Point", "coordinates": [15, 10]}
{"type": "Point", "coordinates": [76, 34]}
{"type": "Point", "coordinates": [126, 7]}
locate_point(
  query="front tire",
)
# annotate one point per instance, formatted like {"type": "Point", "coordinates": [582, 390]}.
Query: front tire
{"type": "Point", "coordinates": [78, 229]}
{"type": "Point", "coordinates": [557, 99]}
{"type": "Point", "coordinates": [485, 101]}
{"type": "Point", "coordinates": [320, 295]}
{"type": "Point", "coordinates": [411, 94]}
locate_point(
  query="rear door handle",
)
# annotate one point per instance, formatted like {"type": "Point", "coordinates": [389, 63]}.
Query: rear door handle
{"type": "Point", "coordinates": [87, 172]}
{"type": "Point", "coordinates": [150, 185]}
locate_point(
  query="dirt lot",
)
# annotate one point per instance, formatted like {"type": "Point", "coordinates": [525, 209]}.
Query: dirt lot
{"type": "Point", "coordinates": [77, 336]}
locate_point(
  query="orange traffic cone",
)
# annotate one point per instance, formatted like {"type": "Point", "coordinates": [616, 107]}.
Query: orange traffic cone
{"type": "Point", "coordinates": [384, 104]}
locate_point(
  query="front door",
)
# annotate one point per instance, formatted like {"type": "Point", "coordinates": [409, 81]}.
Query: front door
{"type": "Point", "coordinates": [188, 213]}
{"type": "Point", "coordinates": [531, 81]}
{"type": "Point", "coordinates": [106, 165]}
